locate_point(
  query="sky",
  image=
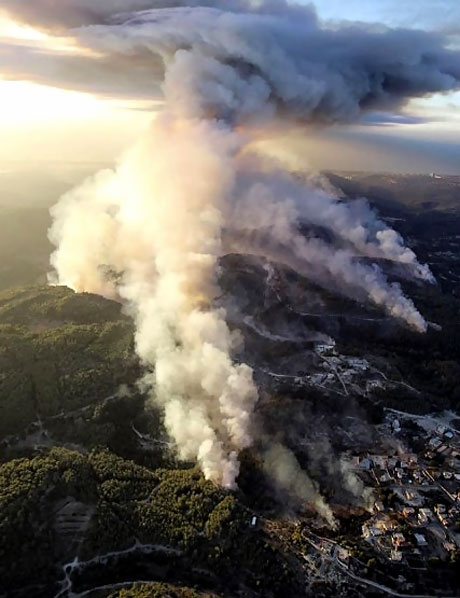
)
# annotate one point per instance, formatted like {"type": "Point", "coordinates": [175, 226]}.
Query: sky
{"type": "Point", "coordinates": [61, 102]}
{"type": "Point", "coordinates": [423, 14]}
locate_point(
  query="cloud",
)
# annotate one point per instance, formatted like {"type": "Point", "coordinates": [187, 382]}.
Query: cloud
{"type": "Point", "coordinates": [66, 14]}
{"type": "Point", "coordinates": [280, 49]}
{"type": "Point", "coordinates": [115, 75]}
{"type": "Point", "coordinates": [387, 118]}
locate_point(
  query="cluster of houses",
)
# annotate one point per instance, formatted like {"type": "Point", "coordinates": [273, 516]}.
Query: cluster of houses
{"type": "Point", "coordinates": [443, 443]}
{"type": "Point", "coordinates": [387, 469]}
{"type": "Point", "coordinates": [423, 519]}
{"type": "Point", "coordinates": [411, 532]}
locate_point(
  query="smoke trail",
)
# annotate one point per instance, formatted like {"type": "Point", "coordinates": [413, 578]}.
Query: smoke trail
{"type": "Point", "coordinates": [152, 231]}
{"type": "Point", "coordinates": [282, 466]}
{"type": "Point", "coordinates": [263, 223]}
{"type": "Point", "coordinates": [354, 223]}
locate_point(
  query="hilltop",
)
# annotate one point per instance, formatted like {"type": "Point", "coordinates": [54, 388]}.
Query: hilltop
{"type": "Point", "coordinates": [59, 351]}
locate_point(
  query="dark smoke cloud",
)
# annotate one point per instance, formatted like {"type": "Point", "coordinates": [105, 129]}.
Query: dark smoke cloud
{"type": "Point", "coordinates": [74, 13]}
{"type": "Point", "coordinates": [233, 64]}
{"type": "Point", "coordinates": [246, 51]}
{"type": "Point", "coordinates": [65, 14]}
{"type": "Point", "coordinates": [134, 76]}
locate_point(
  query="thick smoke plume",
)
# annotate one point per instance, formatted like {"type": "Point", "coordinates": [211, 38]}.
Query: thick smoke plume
{"type": "Point", "coordinates": [152, 231]}
{"type": "Point", "coordinates": [157, 223]}
{"type": "Point", "coordinates": [282, 466]}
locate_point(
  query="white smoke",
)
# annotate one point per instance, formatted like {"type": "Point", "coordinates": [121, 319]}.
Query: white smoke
{"type": "Point", "coordinates": [151, 232]}
{"type": "Point", "coordinates": [158, 223]}
{"type": "Point", "coordinates": [282, 466]}
{"type": "Point", "coordinates": [265, 221]}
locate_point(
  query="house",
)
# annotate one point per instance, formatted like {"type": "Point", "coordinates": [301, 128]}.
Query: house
{"type": "Point", "coordinates": [435, 442]}
{"type": "Point", "coordinates": [392, 462]}
{"type": "Point", "coordinates": [411, 495]}
{"type": "Point", "coordinates": [424, 516]}
{"type": "Point", "coordinates": [384, 523]}
{"type": "Point", "coordinates": [398, 539]}
{"type": "Point", "coordinates": [396, 426]}
{"type": "Point", "coordinates": [379, 461]}
{"type": "Point", "coordinates": [396, 556]}
{"type": "Point", "coordinates": [371, 532]}
{"type": "Point", "coordinates": [378, 506]}
{"type": "Point", "coordinates": [399, 473]}
{"type": "Point", "coordinates": [449, 435]}
{"type": "Point", "coordinates": [408, 511]}
{"type": "Point", "coordinates": [365, 464]}
{"type": "Point", "coordinates": [326, 348]}
{"type": "Point", "coordinates": [254, 521]}
{"type": "Point", "coordinates": [384, 478]}
{"type": "Point", "coordinates": [420, 539]}
{"type": "Point", "coordinates": [444, 519]}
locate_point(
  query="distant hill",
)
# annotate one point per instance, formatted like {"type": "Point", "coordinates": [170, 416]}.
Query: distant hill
{"type": "Point", "coordinates": [24, 246]}
{"type": "Point", "coordinates": [413, 192]}
{"type": "Point", "coordinates": [27, 191]}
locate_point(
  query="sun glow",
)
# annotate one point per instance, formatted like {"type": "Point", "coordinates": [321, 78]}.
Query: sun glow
{"type": "Point", "coordinates": [22, 102]}
{"type": "Point", "coordinates": [12, 31]}
{"type": "Point", "coordinates": [47, 123]}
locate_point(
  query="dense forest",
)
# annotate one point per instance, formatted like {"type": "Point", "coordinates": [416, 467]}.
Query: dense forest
{"type": "Point", "coordinates": [173, 512]}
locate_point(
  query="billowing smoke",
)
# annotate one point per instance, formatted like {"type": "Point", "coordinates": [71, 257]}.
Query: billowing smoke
{"type": "Point", "coordinates": [243, 66]}
{"type": "Point", "coordinates": [152, 231]}
{"type": "Point", "coordinates": [156, 226]}
{"type": "Point", "coordinates": [339, 472]}
{"type": "Point", "coordinates": [282, 466]}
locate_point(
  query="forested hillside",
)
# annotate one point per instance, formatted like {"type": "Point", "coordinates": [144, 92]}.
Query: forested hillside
{"type": "Point", "coordinates": [58, 352]}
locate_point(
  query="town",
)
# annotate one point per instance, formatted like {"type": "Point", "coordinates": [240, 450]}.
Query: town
{"type": "Point", "coordinates": [408, 542]}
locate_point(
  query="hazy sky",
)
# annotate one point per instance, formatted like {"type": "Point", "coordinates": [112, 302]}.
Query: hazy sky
{"type": "Point", "coordinates": [423, 14]}
{"type": "Point", "coordinates": [55, 105]}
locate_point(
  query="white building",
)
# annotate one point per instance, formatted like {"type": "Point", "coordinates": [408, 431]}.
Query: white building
{"type": "Point", "coordinates": [396, 426]}
{"type": "Point", "coordinates": [424, 516]}
{"type": "Point", "coordinates": [420, 539]}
